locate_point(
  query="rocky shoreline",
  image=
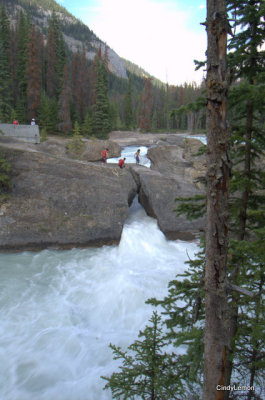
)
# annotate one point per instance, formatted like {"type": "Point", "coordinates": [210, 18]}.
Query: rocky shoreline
{"type": "Point", "coordinates": [64, 200]}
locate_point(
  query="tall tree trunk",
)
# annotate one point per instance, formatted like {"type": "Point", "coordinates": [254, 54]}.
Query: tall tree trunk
{"type": "Point", "coordinates": [216, 332]}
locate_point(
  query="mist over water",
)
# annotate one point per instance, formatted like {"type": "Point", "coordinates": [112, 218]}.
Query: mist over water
{"type": "Point", "coordinates": [60, 310]}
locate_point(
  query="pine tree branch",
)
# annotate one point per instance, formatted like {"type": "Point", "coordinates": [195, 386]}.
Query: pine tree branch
{"type": "Point", "coordinates": [240, 290]}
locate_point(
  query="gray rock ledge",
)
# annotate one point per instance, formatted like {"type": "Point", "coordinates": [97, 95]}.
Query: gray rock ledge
{"type": "Point", "coordinates": [56, 202]}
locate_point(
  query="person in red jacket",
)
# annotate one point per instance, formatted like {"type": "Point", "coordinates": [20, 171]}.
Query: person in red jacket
{"type": "Point", "coordinates": [104, 155]}
{"type": "Point", "coordinates": [15, 122]}
{"type": "Point", "coordinates": [122, 162]}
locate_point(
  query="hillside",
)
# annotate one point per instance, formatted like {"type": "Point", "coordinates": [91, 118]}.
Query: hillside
{"type": "Point", "coordinates": [56, 70]}
{"type": "Point", "coordinates": [76, 34]}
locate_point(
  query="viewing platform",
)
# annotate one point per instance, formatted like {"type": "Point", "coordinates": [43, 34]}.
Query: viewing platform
{"type": "Point", "coordinates": [26, 133]}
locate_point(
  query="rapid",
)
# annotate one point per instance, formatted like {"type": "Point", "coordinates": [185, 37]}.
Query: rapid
{"type": "Point", "coordinates": [59, 310]}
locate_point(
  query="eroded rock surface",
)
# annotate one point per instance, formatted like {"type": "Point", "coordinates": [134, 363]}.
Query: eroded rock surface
{"type": "Point", "coordinates": [180, 161]}
{"type": "Point", "coordinates": [64, 203]}
{"type": "Point", "coordinates": [90, 150]}
{"type": "Point", "coordinates": [58, 201]}
{"type": "Point", "coordinates": [157, 194]}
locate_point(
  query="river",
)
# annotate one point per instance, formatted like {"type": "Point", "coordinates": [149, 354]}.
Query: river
{"type": "Point", "coordinates": [128, 152]}
{"type": "Point", "coordinates": [59, 310]}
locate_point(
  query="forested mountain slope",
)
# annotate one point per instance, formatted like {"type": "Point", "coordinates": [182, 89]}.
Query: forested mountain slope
{"type": "Point", "coordinates": [55, 69]}
{"type": "Point", "coordinates": [75, 33]}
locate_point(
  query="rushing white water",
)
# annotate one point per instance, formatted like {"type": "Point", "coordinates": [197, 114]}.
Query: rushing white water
{"type": "Point", "coordinates": [129, 152]}
{"type": "Point", "coordinates": [59, 310]}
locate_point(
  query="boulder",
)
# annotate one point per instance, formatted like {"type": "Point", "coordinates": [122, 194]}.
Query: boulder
{"type": "Point", "coordinates": [89, 150]}
{"type": "Point", "coordinates": [197, 170]}
{"type": "Point", "coordinates": [168, 160]}
{"type": "Point", "coordinates": [157, 194]}
{"type": "Point", "coordinates": [56, 202]}
{"type": "Point", "coordinates": [180, 161]}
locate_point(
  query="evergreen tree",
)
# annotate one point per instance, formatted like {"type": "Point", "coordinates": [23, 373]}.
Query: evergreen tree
{"type": "Point", "coordinates": [48, 114]}
{"type": "Point", "coordinates": [128, 109]}
{"type": "Point", "coordinates": [154, 124]}
{"type": "Point", "coordinates": [84, 85]}
{"type": "Point", "coordinates": [5, 76]}
{"type": "Point", "coordinates": [246, 205]}
{"type": "Point", "coordinates": [184, 315]}
{"type": "Point", "coordinates": [145, 115]}
{"type": "Point", "coordinates": [5, 179]}
{"type": "Point", "coordinates": [101, 108]}
{"type": "Point", "coordinates": [147, 371]}
{"type": "Point", "coordinates": [65, 124]}
{"type": "Point", "coordinates": [87, 127]}
{"type": "Point", "coordinates": [51, 63]}
{"type": "Point", "coordinates": [246, 100]}
{"type": "Point", "coordinates": [56, 58]}
{"type": "Point", "coordinates": [113, 116]}
{"type": "Point", "coordinates": [21, 70]}
{"type": "Point", "coordinates": [76, 145]}
{"type": "Point", "coordinates": [77, 85]}
{"type": "Point", "coordinates": [33, 76]}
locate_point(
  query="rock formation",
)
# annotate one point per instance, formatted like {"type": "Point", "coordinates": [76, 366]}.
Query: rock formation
{"type": "Point", "coordinates": [60, 198]}
{"type": "Point", "coordinates": [62, 203]}
{"type": "Point", "coordinates": [157, 194]}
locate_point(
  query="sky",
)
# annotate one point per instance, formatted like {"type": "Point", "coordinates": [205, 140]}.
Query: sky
{"type": "Point", "coordinates": [161, 36]}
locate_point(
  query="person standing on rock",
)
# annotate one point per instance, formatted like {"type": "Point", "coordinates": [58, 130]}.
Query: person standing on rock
{"type": "Point", "coordinates": [104, 155]}
{"type": "Point", "coordinates": [15, 122]}
{"type": "Point", "coordinates": [137, 156]}
{"type": "Point", "coordinates": [122, 162]}
{"type": "Point", "coordinates": [33, 121]}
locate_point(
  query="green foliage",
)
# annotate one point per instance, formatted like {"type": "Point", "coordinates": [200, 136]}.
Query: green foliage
{"type": "Point", "coordinates": [201, 151]}
{"type": "Point", "coordinates": [183, 310]}
{"type": "Point", "coordinates": [248, 347]}
{"type": "Point", "coordinates": [5, 76]}
{"type": "Point", "coordinates": [155, 121]}
{"type": "Point", "coordinates": [52, 56]}
{"type": "Point", "coordinates": [199, 64]}
{"type": "Point", "coordinates": [87, 126]}
{"type": "Point", "coordinates": [128, 109]}
{"type": "Point", "coordinates": [76, 145]}
{"type": "Point", "coordinates": [139, 72]}
{"type": "Point", "coordinates": [147, 370]}
{"type": "Point", "coordinates": [43, 135]}
{"type": "Point", "coordinates": [60, 52]}
{"type": "Point", "coordinates": [145, 112]}
{"type": "Point", "coordinates": [21, 68]}
{"type": "Point", "coordinates": [195, 106]}
{"type": "Point", "coordinates": [48, 114]}
{"type": "Point", "coordinates": [101, 108]}
{"type": "Point", "coordinates": [193, 207]}
{"type": "Point", "coordinates": [5, 177]}
{"type": "Point", "coordinates": [113, 116]}
{"type": "Point", "coordinates": [183, 307]}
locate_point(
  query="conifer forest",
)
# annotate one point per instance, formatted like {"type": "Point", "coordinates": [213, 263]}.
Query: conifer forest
{"type": "Point", "coordinates": [42, 78]}
{"type": "Point", "coordinates": [208, 332]}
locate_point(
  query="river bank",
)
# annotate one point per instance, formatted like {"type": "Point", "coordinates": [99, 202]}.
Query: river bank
{"type": "Point", "coordinates": [64, 200]}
